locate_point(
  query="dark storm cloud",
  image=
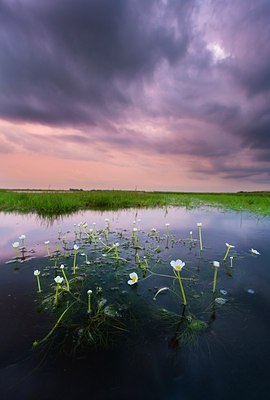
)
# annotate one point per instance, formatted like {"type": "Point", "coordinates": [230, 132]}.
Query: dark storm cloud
{"type": "Point", "coordinates": [96, 65]}
{"type": "Point", "coordinates": [66, 61]}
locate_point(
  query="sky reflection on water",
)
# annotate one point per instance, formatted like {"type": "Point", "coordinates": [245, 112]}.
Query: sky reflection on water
{"type": "Point", "coordinates": [229, 361]}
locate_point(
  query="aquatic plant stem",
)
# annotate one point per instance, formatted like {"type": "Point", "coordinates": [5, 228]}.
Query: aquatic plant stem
{"type": "Point", "coordinates": [74, 262]}
{"type": "Point", "coordinates": [56, 294]}
{"type": "Point", "coordinates": [89, 301]}
{"type": "Point", "coordinates": [38, 283]}
{"type": "Point", "coordinates": [215, 279]}
{"type": "Point", "coordinates": [200, 237]}
{"type": "Point", "coordinates": [48, 250]}
{"type": "Point", "coordinates": [182, 288]}
{"type": "Point", "coordinates": [66, 279]}
{"type": "Point", "coordinates": [38, 342]}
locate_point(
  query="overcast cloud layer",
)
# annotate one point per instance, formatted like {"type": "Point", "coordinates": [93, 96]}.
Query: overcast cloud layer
{"type": "Point", "coordinates": [180, 80]}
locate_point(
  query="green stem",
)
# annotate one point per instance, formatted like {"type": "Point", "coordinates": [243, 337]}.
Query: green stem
{"type": "Point", "coordinates": [56, 294]}
{"type": "Point", "coordinates": [200, 237]}
{"type": "Point", "coordinates": [226, 254]}
{"type": "Point", "coordinates": [37, 342]}
{"type": "Point", "coordinates": [215, 279]}
{"type": "Point", "coordinates": [74, 262]}
{"type": "Point", "coordinates": [182, 288]}
{"type": "Point", "coordinates": [66, 279]}
{"type": "Point", "coordinates": [89, 304]}
{"type": "Point", "coordinates": [38, 283]}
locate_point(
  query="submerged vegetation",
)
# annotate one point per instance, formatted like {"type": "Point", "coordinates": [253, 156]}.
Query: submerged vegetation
{"type": "Point", "coordinates": [100, 283]}
{"type": "Point", "coordinates": [53, 203]}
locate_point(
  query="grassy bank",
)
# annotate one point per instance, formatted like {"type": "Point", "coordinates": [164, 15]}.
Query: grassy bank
{"type": "Point", "coordinates": [59, 202]}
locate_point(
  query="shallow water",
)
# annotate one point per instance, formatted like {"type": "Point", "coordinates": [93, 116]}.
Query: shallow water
{"type": "Point", "coordinates": [154, 359]}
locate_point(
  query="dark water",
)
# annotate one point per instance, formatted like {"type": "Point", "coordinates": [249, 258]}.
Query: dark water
{"type": "Point", "coordinates": [154, 359]}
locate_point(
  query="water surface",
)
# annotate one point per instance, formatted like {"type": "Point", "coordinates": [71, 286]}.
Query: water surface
{"type": "Point", "coordinates": [227, 359]}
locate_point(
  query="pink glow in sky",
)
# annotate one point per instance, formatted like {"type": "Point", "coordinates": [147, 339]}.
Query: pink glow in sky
{"type": "Point", "coordinates": [147, 94]}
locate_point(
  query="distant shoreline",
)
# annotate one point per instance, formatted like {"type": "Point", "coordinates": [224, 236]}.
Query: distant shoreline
{"type": "Point", "coordinates": [50, 203]}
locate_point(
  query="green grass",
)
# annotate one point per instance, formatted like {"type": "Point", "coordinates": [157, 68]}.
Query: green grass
{"type": "Point", "coordinates": [53, 203]}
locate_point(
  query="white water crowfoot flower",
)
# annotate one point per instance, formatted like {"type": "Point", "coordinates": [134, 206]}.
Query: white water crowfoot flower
{"type": "Point", "coordinates": [216, 266]}
{"type": "Point", "coordinates": [229, 247]}
{"type": "Point", "coordinates": [178, 266]}
{"type": "Point", "coordinates": [199, 225]}
{"type": "Point", "coordinates": [37, 273]}
{"type": "Point", "coordinates": [62, 267]}
{"type": "Point", "coordinates": [58, 280]}
{"type": "Point", "coordinates": [133, 278]}
{"type": "Point", "coordinates": [76, 248]}
{"type": "Point", "coordinates": [253, 251]}
{"type": "Point", "coordinates": [89, 292]}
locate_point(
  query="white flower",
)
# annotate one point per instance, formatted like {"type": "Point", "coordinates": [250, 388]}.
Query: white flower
{"type": "Point", "coordinates": [15, 245]}
{"type": "Point", "coordinates": [47, 242]}
{"type": "Point", "coordinates": [94, 223]}
{"type": "Point", "coordinates": [190, 232]}
{"type": "Point", "coordinates": [199, 224]}
{"type": "Point", "coordinates": [216, 264]}
{"type": "Point", "coordinates": [133, 278]}
{"type": "Point", "coordinates": [255, 252]}
{"type": "Point", "coordinates": [167, 224]}
{"type": "Point", "coordinates": [177, 265]}
{"type": "Point", "coordinates": [116, 244]}
{"type": "Point", "coordinates": [36, 272]}
{"type": "Point", "coordinates": [58, 280]}
{"type": "Point", "coordinates": [76, 247]}
{"type": "Point", "coordinates": [134, 229]}
{"type": "Point", "coordinates": [107, 220]}
{"type": "Point", "coordinates": [153, 230]}
{"type": "Point", "coordinates": [62, 266]}
{"type": "Point", "coordinates": [22, 237]}
{"type": "Point", "coordinates": [229, 245]}
{"type": "Point", "coordinates": [89, 292]}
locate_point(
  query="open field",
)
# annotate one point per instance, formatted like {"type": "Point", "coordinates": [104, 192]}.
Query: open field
{"type": "Point", "coordinates": [49, 203]}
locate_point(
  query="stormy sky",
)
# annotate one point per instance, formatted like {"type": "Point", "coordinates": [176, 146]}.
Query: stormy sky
{"type": "Point", "coordinates": [146, 94]}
